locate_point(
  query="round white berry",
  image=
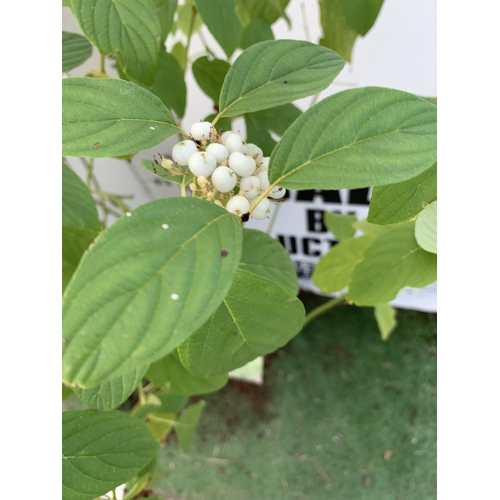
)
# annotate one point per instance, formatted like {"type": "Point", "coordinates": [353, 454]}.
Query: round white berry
{"type": "Point", "coordinates": [238, 205]}
{"type": "Point", "coordinates": [265, 164]}
{"type": "Point", "coordinates": [225, 135]}
{"type": "Point", "coordinates": [250, 187]}
{"type": "Point", "coordinates": [200, 130]}
{"type": "Point", "coordinates": [202, 163]}
{"type": "Point", "coordinates": [277, 192]}
{"type": "Point", "coordinates": [242, 164]}
{"type": "Point", "coordinates": [253, 150]}
{"type": "Point", "coordinates": [219, 151]}
{"type": "Point", "coordinates": [223, 179]}
{"type": "Point", "coordinates": [182, 151]}
{"type": "Point", "coordinates": [234, 142]}
{"type": "Point", "coordinates": [261, 210]}
{"type": "Point", "coordinates": [264, 181]}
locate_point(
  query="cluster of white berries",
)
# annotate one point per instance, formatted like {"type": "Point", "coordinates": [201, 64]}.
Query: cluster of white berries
{"type": "Point", "coordinates": [228, 171]}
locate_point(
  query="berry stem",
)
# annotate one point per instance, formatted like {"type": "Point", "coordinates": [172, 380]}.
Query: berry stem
{"type": "Point", "coordinates": [261, 196]}
{"type": "Point", "coordinates": [318, 311]}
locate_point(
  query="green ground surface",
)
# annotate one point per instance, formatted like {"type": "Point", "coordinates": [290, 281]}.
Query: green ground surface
{"type": "Point", "coordinates": [342, 415]}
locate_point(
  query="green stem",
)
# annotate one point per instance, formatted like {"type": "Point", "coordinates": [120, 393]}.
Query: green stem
{"type": "Point", "coordinates": [142, 396]}
{"type": "Point", "coordinates": [103, 67]}
{"type": "Point", "coordinates": [90, 171]}
{"type": "Point", "coordinates": [114, 494]}
{"type": "Point", "coordinates": [318, 311]}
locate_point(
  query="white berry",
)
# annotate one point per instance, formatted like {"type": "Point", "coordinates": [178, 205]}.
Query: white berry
{"type": "Point", "coordinates": [223, 179]}
{"type": "Point", "coordinates": [261, 210]}
{"type": "Point", "coordinates": [219, 151]}
{"type": "Point", "coordinates": [265, 164]}
{"type": "Point", "coordinates": [250, 187]}
{"type": "Point", "coordinates": [264, 181]}
{"type": "Point", "coordinates": [202, 163]}
{"type": "Point", "coordinates": [225, 135]}
{"type": "Point", "coordinates": [238, 205]}
{"type": "Point", "coordinates": [182, 151]}
{"type": "Point", "coordinates": [234, 142]}
{"type": "Point", "coordinates": [241, 164]}
{"type": "Point", "coordinates": [277, 193]}
{"type": "Point", "coordinates": [200, 130]}
{"type": "Point", "coordinates": [253, 150]}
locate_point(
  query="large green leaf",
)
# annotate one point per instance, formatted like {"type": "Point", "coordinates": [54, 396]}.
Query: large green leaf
{"type": "Point", "coordinates": [149, 281]}
{"type": "Point", "coordinates": [129, 29]}
{"type": "Point", "coordinates": [266, 257]}
{"type": "Point", "coordinates": [340, 225]}
{"type": "Point", "coordinates": [426, 228]}
{"type": "Point", "coordinates": [102, 450]}
{"type": "Point", "coordinates": [276, 72]}
{"type": "Point", "coordinates": [385, 315]}
{"type": "Point", "coordinates": [259, 30]}
{"type": "Point", "coordinates": [261, 123]}
{"type": "Point", "coordinates": [187, 423]}
{"type": "Point", "coordinates": [76, 49]}
{"type": "Point", "coordinates": [80, 222]}
{"type": "Point", "coordinates": [169, 373]}
{"type": "Point", "coordinates": [357, 138]}
{"type": "Point", "coordinates": [334, 270]}
{"type": "Point", "coordinates": [111, 117]}
{"type": "Point", "coordinates": [270, 10]}
{"type": "Point", "coordinates": [337, 34]}
{"type": "Point", "coordinates": [169, 84]}
{"type": "Point", "coordinates": [209, 75]}
{"type": "Point", "coordinates": [113, 392]}
{"type": "Point", "coordinates": [221, 19]}
{"type": "Point", "coordinates": [361, 14]}
{"type": "Point", "coordinates": [255, 318]}
{"type": "Point", "coordinates": [393, 261]}
{"type": "Point", "coordinates": [402, 201]}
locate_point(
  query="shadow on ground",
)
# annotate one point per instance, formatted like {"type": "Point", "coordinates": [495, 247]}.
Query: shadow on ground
{"type": "Point", "coordinates": [342, 415]}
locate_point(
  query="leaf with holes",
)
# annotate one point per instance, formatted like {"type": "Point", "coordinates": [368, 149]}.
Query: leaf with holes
{"type": "Point", "coordinates": [402, 201]}
{"type": "Point", "coordinates": [129, 29]}
{"type": "Point", "coordinates": [276, 72]}
{"type": "Point", "coordinates": [148, 282]}
{"type": "Point", "coordinates": [255, 318]}
{"type": "Point", "coordinates": [359, 138]}
{"type": "Point", "coordinates": [393, 260]}
{"type": "Point", "coordinates": [80, 223]}
{"type": "Point", "coordinates": [113, 392]}
{"type": "Point", "coordinates": [102, 450]}
{"type": "Point", "coordinates": [76, 49]}
{"type": "Point", "coordinates": [111, 117]}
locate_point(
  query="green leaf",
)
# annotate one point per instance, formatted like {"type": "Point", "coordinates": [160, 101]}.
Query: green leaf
{"type": "Point", "coordinates": [179, 52]}
{"type": "Point", "coordinates": [148, 282]}
{"type": "Point", "coordinates": [185, 13]}
{"type": "Point", "coordinates": [209, 75]}
{"type": "Point", "coordinates": [266, 257]}
{"type": "Point", "coordinates": [386, 319]}
{"type": "Point", "coordinates": [361, 14]}
{"type": "Point", "coordinates": [334, 270]}
{"type": "Point", "coordinates": [67, 3]}
{"type": "Point", "coordinates": [160, 424]}
{"type": "Point", "coordinates": [261, 123]}
{"type": "Point", "coordinates": [113, 392]}
{"type": "Point", "coordinates": [80, 222]}
{"type": "Point", "coordinates": [276, 72]}
{"type": "Point", "coordinates": [270, 10]}
{"type": "Point", "coordinates": [402, 201]}
{"type": "Point", "coordinates": [76, 49]}
{"type": "Point", "coordinates": [359, 138]}
{"type": "Point", "coordinates": [170, 373]}
{"type": "Point", "coordinates": [129, 29]}
{"type": "Point", "coordinates": [337, 35]}
{"type": "Point", "coordinates": [393, 261]}
{"type": "Point", "coordinates": [369, 229]}
{"type": "Point", "coordinates": [169, 84]}
{"type": "Point", "coordinates": [255, 318]}
{"type": "Point", "coordinates": [259, 30]}
{"type": "Point", "coordinates": [66, 392]}
{"type": "Point", "coordinates": [222, 21]}
{"type": "Point", "coordinates": [165, 10]}
{"type": "Point", "coordinates": [111, 117]}
{"type": "Point", "coordinates": [102, 450]}
{"type": "Point", "coordinates": [341, 226]}
{"type": "Point", "coordinates": [426, 228]}
{"type": "Point", "coordinates": [187, 423]}
{"type": "Point", "coordinates": [432, 100]}
{"type": "Point", "coordinates": [157, 169]}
